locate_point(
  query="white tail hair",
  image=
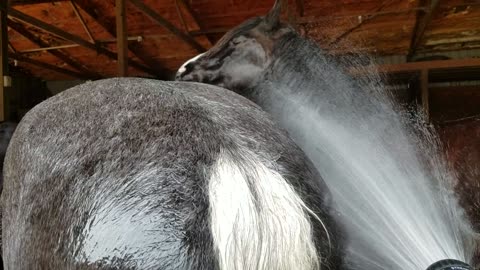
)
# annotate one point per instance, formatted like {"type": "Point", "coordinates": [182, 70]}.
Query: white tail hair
{"type": "Point", "coordinates": [258, 221]}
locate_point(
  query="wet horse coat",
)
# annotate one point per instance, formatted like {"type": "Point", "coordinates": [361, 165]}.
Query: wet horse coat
{"type": "Point", "coordinates": [144, 174]}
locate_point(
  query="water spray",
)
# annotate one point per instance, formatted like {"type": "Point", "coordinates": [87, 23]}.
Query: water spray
{"type": "Point", "coordinates": [449, 265]}
{"type": "Point", "coordinates": [391, 186]}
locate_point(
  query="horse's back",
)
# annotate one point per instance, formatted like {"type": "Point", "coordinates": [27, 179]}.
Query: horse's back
{"type": "Point", "coordinates": [113, 174]}
{"type": "Point", "coordinates": [106, 171]}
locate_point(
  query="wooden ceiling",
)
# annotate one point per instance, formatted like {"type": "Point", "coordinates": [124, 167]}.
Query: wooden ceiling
{"type": "Point", "coordinates": [390, 27]}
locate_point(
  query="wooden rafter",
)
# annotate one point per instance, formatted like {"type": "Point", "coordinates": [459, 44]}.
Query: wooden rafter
{"type": "Point", "coordinates": [66, 46]}
{"type": "Point", "coordinates": [70, 37]}
{"type": "Point", "coordinates": [122, 45]}
{"type": "Point", "coordinates": [195, 18]}
{"type": "Point", "coordinates": [421, 24]}
{"type": "Point", "coordinates": [19, 28]}
{"type": "Point", "coordinates": [180, 15]}
{"type": "Point", "coordinates": [166, 24]}
{"type": "Point", "coordinates": [82, 21]}
{"type": "Point", "coordinates": [41, 64]}
{"type": "Point", "coordinates": [32, 2]}
{"type": "Point", "coordinates": [10, 46]}
{"type": "Point", "coordinates": [136, 49]}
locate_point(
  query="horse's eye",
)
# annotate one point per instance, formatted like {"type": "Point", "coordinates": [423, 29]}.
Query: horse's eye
{"type": "Point", "coordinates": [188, 68]}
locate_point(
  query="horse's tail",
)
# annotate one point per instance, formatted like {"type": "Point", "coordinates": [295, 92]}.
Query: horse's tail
{"type": "Point", "coordinates": [258, 221]}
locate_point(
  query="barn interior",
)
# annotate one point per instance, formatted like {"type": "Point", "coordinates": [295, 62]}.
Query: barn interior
{"type": "Point", "coordinates": [418, 44]}
{"type": "Point", "coordinates": [428, 51]}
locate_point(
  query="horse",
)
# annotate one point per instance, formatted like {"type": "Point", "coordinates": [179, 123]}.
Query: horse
{"type": "Point", "coordinates": [130, 173]}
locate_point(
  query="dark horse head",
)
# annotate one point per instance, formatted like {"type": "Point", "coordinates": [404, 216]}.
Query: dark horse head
{"type": "Point", "coordinates": [241, 57]}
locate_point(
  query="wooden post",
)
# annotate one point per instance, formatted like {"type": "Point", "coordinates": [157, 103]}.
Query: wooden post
{"type": "Point", "coordinates": [122, 46]}
{"type": "Point", "coordinates": [3, 57]}
{"type": "Point", "coordinates": [425, 93]}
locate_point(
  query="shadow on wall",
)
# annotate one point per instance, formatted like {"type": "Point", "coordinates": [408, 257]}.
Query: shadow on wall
{"type": "Point", "coordinates": [26, 92]}
{"type": "Point", "coordinates": [55, 87]}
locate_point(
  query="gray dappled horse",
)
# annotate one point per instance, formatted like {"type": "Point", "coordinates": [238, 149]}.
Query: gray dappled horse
{"type": "Point", "coordinates": [145, 174]}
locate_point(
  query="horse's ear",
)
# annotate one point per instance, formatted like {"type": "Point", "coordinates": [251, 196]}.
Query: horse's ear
{"type": "Point", "coordinates": [272, 19]}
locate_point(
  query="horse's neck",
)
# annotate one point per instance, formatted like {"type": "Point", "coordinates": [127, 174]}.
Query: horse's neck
{"type": "Point", "coordinates": [302, 72]}
{"type": "Point", "coordinates": [300, 66]}
{"type": "Point", "coordinates": [293, 74]}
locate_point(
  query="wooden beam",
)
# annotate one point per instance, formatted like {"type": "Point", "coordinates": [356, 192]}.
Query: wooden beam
{"type": "Point", "coordinates": [122, 45]}
{"type": "Point", "coordinates": [424, 93]}
{"type": "Point", "coordinates": [32, 2]}
{"type": "Point", "coordinates": [66, 46]}
{"type": "Point", "coordinates": [82, 21]}
{"type": "Point", "coordinates": [166, 24]}
{"type": "Point", "coordinates": [3, 57]}
{"type": "Point", "coordinates": [195, 18]}
{"type": "Point", "coordinates": [431, 65]}
{"type": "Point", "coordinates": [70, 37]}
{"type": "Point", "coordinates": [19, 28]}
{"type": "Point", "coordinates": [10, 46]}
{"type": "Point", "coordinates": [137, 49]}
{"type": "Point", "coordinates": [422, 21]}
{"type": "Point", "coordinates": [180, 15]}
{"type": "Point", "coordinates": [419, 66]}
{"type": "Point", "coordinates": [25, 59]}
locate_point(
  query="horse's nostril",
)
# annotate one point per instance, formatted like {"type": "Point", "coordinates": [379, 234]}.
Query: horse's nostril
{"type": "Point", "coordinates": [185, 77]}
{"type": "Point", "coordinates": [178, 76]}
